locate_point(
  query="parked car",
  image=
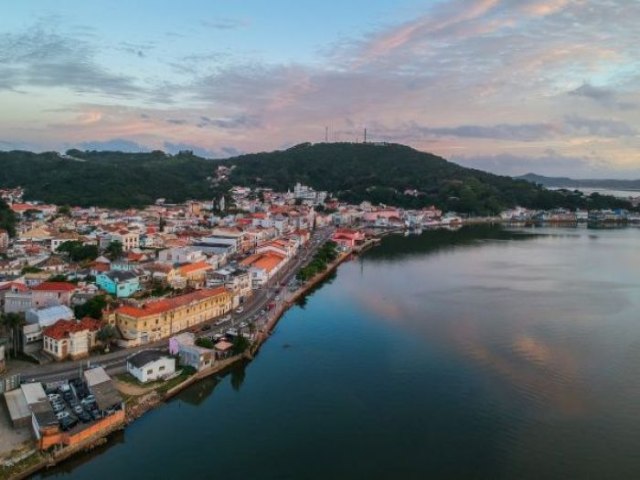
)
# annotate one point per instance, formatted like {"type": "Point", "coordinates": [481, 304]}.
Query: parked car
{"type": "Point", "coordinates": [239, 309]}
{"type": "Point", "coordinates": [68, 423]}
{"type": "Point", "coordinates": [61, 415]}
{"type": "Point", "coordinates": [84, 417]}
{"type": "Point", "coordinates": [205, 328]}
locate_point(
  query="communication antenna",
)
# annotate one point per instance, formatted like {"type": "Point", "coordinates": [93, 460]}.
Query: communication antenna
{"type": "Point", "coordinates": [365, 135]}
{"type": "Point", "coordinates": [326, 134]}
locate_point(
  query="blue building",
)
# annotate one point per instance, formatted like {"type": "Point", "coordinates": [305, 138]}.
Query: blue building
{"type": "Point", "coordinates": [118, 283]}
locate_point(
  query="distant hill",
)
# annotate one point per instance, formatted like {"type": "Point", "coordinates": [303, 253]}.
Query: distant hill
{"type": "Point", "coordinates": [565, 182]}
{"type": "Point", "coordinates": [111, 179]}
{"type": "Point", "coordinates": [354, 172]}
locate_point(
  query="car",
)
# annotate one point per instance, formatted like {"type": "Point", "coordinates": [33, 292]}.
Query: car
{"type": "Point", "coordinates": [61, 415]}
{"type": "Point", "coordinates": [232, 332]}
{"type": "Point", "coordinates": [84, 417]}
{"type": "Point", "coordinates": [68, 423]}
{"type": "Point", "coordinates": [239, 309]}
{"type": "Point", "coordinates": [205, 328]}
{"type": "Point", "coordinates": [57, 407]}
{"type": "Point", "coordinates": [53, 396]}
{"type": "Point", "coordinates": [243, 325]}
{"type": "Point", "coordinates": [78, 409]}
{"type": "Point", "coordinates": [217, 337]}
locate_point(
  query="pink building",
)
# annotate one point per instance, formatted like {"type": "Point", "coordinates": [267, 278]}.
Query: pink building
{"type": "Point", "coordinates": [48, 294]}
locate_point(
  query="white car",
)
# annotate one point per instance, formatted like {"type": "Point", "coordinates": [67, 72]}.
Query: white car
{"type": "Point", "coordinates": [62, 415]}
{"type": "Point", "coordinates": [239, 310]}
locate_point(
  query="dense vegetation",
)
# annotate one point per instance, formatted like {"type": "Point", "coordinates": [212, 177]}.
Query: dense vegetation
{"type": "Point", "coordinates": [352, 172]}
{"type": "Point", "coordinates": [110, 179]}
{"type": "Point", "coordinates": [7, 218]}
{"type": "Point", "coordinates": [382, 174]}
{"type": "Point", "coordinates": [325, 255]}
{"type": "Point", "coordinates": [79, 252]}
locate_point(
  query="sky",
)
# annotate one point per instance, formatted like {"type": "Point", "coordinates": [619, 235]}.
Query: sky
{"type": "Point", "coordinates": [517, 86]}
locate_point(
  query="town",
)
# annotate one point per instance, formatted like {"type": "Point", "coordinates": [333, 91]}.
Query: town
{"type": "Point", "coordinates": [107, 312]}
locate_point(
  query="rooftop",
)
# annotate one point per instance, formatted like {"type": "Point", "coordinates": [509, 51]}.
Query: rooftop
{"type": "Point", "coordinates": [55, 287]}
{"type": "Point", "coordinates": [145, 357]}
{"type": "Point", "coordinates": [169, 304]}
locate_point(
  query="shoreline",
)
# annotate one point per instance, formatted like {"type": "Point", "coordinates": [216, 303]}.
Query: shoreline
{"type": "Point", "coordinates": [150, 400]}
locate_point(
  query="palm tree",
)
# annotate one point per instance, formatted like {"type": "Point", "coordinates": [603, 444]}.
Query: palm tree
{"type": "Point", "coordinates": [12, 323]}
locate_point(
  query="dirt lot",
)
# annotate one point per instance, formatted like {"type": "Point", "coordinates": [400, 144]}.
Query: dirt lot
{"type": "Point", "coordinates": [12, 440]}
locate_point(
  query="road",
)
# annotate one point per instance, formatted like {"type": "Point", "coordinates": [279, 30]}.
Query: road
{"type": "Point", "coordinates": [253, 312]}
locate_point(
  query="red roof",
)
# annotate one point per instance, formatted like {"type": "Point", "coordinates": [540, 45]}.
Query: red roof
{"type": "Point", "coordinates": [55, 287]}
{"type": "Point", "coordinates": [168, 304]}
{"type": "Point", "coordinates": [62, 328]}
{"type": "Point", "coordinates": [16, 286]}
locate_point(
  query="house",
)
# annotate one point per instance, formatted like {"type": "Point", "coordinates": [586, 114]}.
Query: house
{"type": "Point", "coordinates": [163, 318]}
{"type": "Point", "coordinates": [119, 283]}
{"type": "Point", "coordinates": [37, 320]}
{"type": "Point", "coordinates": [173, 256]}
{"type": "Point", "coordinates": [150, 365]}
{"type": "Point", "coordinates": [348, 238]}
{"type": "Point", "coordinates": [15, 297]}
{"type": "Point", "coordinates": [194, 274]}
{"type": "Point", "coordinates": [189, 353]}
{"type": "Point", "coordinates": [236, 280]}
{"type": "Point", "coordinates": [263, 266]}
{"type": "Point", "coordinates": [48, 294]}
{"type": "Point", "coordinates": [70, 338]}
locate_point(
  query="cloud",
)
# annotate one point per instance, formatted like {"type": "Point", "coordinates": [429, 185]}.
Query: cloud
{"type": "Point", "coordinates": [115, 144]}
{"type": "Point", "coordinates": [43, 58]}
{"type": "Point", "coordinates": [550, 163]}
{"type": "Point", "coordinates": [224, 23]}
{"type": "Point", "coordinates": [517, 132]}
{"type": "Point", "coordinates": [602, 95]}
{"type": "Point", "coordinates": [599, 127]}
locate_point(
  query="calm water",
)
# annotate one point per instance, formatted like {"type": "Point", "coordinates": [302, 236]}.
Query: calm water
{"type": "Point", "coordinates": [476, 354]}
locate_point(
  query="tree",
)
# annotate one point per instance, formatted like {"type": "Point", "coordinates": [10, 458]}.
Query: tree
{"type": "Point", "coordinates": [12, 323]}
{"type": "Point", "coordinates": [106, 335]}
{"type": "Point", "coordinates": [78, 251]}
{"type": "Point", "coordinates": [204, 342]}
{"type": "Point", "coordinates": [91, 308]}
{"type": "Point", "coordinates": [240, 344]}
{"type": "Point", "coordinates": [114, 250]}
{"type": "Point", "coordinates": [64, 210]}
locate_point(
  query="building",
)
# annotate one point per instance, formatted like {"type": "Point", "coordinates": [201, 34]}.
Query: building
{"type": "Point", "coordinates": [2, 360]}
{"type": "Point", "coordinates": [221, 240]}
{"type": "Point", "coordinates": [189, 353]}
{"type": "Point", "coordinates": [194, 274]}
{"type": "Point", "coordinates": [15, 297]}
{"type": "Point", "coordinates": [128, 239]}
{"type": "Point", "coordinates": [150, 365]}
{"type": "Point", "coordinates": [347, 238]}
{"type": "Point", "coordinates": [70, 338]}
{"type": "Point", "coordinates": [119, 283]}
{"type": "Point", "coordinates": [236, 280]}
{"type": "Point", "coordinates": [4, 240]}
{"type": "Point", "coordinates": [163, 318]}
{"type": "Point", "coordinates": [178, 255]}
{"type": "Point", "coordinates": [37, 321]}
{"type": "Point", "coordinates": [263, 266]}
{"type": "Point", "coordinates": [48, 294]}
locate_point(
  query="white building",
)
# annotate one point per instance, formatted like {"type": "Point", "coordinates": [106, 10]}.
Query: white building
{"type": "Point", "coordinates": [150, 365]}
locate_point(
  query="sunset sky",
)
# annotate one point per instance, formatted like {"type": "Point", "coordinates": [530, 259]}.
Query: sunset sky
{"type": "Point", "coordinates": [545, 86]}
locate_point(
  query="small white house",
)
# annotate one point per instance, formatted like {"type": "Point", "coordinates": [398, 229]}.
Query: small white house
{"type": "Point", "coordinates": [150, 365]}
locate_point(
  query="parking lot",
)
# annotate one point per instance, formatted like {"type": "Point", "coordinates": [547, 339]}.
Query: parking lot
{"type": "Point", "coordinates": [73, 404]}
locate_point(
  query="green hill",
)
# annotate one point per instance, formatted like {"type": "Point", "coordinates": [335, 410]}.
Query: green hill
{"type": "Point", "coordinates": [353, 172]}
{"type": "Point", "coordinates": [381, 173]}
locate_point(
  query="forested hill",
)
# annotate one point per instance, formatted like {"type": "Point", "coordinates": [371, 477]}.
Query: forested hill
{"type": "Point", "coordinates": [110, 179]}
{"type": "Point", "coordinates": [353, 172]}
{"type": "Point", "coordinates": [383, 173]}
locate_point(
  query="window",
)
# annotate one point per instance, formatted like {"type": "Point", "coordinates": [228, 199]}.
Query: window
{"type": "Point", "coordinates": [150, 371]}
{"type": "Point", "coordinates": [161, 368]}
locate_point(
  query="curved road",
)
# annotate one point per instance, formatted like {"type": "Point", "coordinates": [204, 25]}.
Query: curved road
{"type": "Point", "coordinates": [115, 362]}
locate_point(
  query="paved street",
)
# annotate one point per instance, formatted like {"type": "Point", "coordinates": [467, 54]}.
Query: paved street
{"type": "Point", "coordinates": [115, 362]}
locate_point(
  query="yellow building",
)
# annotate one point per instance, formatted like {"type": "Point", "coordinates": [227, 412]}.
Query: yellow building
{"type": "Point", "coordinates": [161, 319]}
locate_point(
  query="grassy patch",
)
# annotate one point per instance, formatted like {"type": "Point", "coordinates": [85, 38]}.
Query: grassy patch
{"type": "Point", "coordinates": [22, 466]}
